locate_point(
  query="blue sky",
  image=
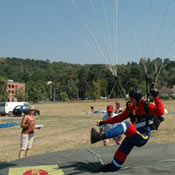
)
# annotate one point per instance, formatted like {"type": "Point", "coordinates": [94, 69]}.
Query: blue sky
{"type": "Point", "coordinates": [75, 32]}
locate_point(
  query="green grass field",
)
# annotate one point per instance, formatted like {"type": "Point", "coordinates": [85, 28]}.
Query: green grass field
{"type": "Point", "coordinates": [67, 126]}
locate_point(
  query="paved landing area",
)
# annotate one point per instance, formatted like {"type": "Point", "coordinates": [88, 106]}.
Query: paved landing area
{"type": "Point", "coordinates": [149, 159]}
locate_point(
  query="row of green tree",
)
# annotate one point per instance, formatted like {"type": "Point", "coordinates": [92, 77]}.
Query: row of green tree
{"type": "Point", "coordinates": [72, 81]}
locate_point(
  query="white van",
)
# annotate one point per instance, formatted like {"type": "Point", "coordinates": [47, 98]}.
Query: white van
{"type": "Point", "coordinates": [9, 106]}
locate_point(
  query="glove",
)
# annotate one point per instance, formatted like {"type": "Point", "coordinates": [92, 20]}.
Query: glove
{"type": "Point", "coordinates": [154, 92]}
{"type": "Point", "coordinates": [100, 122]}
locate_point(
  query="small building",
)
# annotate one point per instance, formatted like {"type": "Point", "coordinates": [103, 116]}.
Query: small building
{"type": "Point", "coordinates": [12, 88]}
{"type": "Point", "coordinates": [173, 91]}
{"type": "Point", "coordinates": [165, 91]}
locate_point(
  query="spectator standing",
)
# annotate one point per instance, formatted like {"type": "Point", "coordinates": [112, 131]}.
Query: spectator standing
{"type": "Point", "coordinates": [27, 134]}
{"type": "Point", "coordinates": [104, 128]}
{"type": "Point", "coordinates": [118, 108]}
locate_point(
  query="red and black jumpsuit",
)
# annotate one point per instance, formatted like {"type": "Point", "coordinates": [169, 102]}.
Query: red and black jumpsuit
{"type": "Point", "coordinates": [136, 131]}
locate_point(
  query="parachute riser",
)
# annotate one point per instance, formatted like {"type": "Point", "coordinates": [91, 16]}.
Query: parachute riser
{"type": "Point", "coordinates": [147, 104]}
{"type": "Point", "coordinates": [121, 90]}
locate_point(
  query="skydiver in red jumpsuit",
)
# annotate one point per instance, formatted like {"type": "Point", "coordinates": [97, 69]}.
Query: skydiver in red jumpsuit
{"type": "Point", "coordinates": [137, 131]}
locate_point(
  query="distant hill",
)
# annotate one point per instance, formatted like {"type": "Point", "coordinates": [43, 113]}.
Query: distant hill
{"type": "Point", "coordinates": [82, 81]}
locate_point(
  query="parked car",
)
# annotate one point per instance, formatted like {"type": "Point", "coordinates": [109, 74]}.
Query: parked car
{"type": "Point", "coordinates": [2, 109]}
{"type": "Point", "coordinates": [6, 108]}
{"type": "Point", "coordinates": [22, 109]}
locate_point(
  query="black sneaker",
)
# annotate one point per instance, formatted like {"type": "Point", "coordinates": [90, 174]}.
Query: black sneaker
{"type": "Point", "coordinates": [95, 136]}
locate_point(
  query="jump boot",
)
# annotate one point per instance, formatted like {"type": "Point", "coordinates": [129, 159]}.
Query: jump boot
{"type": "Point", "coordinates": [95, 136]}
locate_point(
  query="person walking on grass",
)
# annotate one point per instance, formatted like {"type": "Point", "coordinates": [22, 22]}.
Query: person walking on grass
{"type": "Point", "coordinates": [104, 128]}
{"type": "Point", "coordinates": [137, 131]}
{"type": "Point", "coordinates": [27, 134]}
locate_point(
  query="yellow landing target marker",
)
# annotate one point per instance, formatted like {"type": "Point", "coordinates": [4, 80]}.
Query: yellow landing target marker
{"type": "Point", "coordinates": [37, 170]}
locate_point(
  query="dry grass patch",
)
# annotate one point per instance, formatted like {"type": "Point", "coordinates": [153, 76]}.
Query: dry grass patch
{"type": "Point", "coordinates": [68, 125]}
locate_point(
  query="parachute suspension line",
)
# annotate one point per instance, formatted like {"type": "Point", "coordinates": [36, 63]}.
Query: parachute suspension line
{"type": "Point", "coordinates": [170, 46]}
{"type": "Point", "coordinates": [161, 22]}
{"type": "Point", "coordinates": [158, 67]}
{"type": "Point", "coordinates": [111, 67]}
{"type": "Point", "coordinates": [147, 92]}
{"type": "Point", "coordinates": [121, 90]}
{"type": "Point", "coordinates": [155, 68]}
{"type": "Point", "coordinates": [75, 27]}
{"type": "Point", "coordinates": [111, 58]}
{"type": "Point", "coordinates": [109, 49]}
{"type": "Point", "coordinates": [132, 26]}
{"type": "Point", "coordinates": [138, 12]}
{"type": "Point", "coordinates": [160, 28]}
{"type": "Point", "coordinates": [112, 90]}
{"type": "Point", "coordinates": [89, 30]}
{"type": "Point", "coordinates": [172, 18]}
{"type": "Point", "coordinates": [173, 41]}
{"type": "Point", "coordinates": [147, 104]}
{"type": "Point", "coordinates": [157, 72]}
{"type": "Point", "coordinates": [144, 62]}
{"type": "Point", "coordinates": [108, 42]}
{"type": "Point", "coordinates": [107, 27]}
{"type": "Point", "coordinates": [104, 55]}
{"type": "Point", "coordinates": [116, 5]}
{"type": "Point", "coordinates": [152, 28]}
{"type": "Point", "coordinates": [100, 28]}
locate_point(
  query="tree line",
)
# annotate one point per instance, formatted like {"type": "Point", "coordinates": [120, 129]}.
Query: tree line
{"type": "Point", "coordinates": [76, 81]}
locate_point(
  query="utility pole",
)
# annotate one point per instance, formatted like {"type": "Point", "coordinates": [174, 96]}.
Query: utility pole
{"type": "Point", "coordinates": [77, 94]}
{"type": "Point", "coordinates": [54, 94]}
{"type": "Point", "coordinates": [27, 94]}
{"type": "Point", "coordinates": [50, 92]}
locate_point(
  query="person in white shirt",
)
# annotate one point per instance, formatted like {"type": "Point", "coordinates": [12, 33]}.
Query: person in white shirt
{"type": "Point", "coordinates": [104, 128]}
